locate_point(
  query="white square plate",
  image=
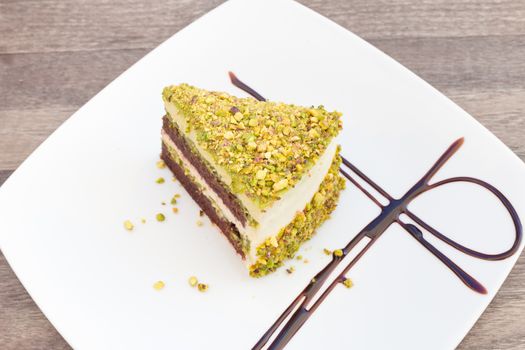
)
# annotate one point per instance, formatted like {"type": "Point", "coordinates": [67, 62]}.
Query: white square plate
{"type": "Point", "coordinates": [61, 212]}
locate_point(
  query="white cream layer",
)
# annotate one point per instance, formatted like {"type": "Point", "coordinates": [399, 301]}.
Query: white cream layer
{"type": "Point", "coordinates": [272, 219]}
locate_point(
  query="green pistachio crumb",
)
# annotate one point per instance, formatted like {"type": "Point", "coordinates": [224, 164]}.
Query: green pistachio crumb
{"type": "Point", "coordinates": [280, 185]}
{"type": "Point", "coordinates": [160, 217]}
{"type": "Point", "coordinates": [161, 164]}
{"type": "Point", "coordinates": [199, 223]}
{"type": "Point", "coordinates": [318, 198]}
{"type": "Point", "coordinates": [327, 251]}
{"type": "Point", "coordinates": [173, 200]}
{"type": "Point", "coordinates": [290, 270]}
{"type": "Point", "coordinates": [202, 287]}
{"type": "Point", "coordinates": [348, 283]}
{"type": "Point", "coordinates": [143, 220]}
{"type": "Point", "coordinates": [160, 180]}
{"type": "Point", "coordinates": [128, 225]}
{"type": "Point", "coordinates": [193, 281]}
{"type": "Point", "coordinates": [338, 253]}
{"type": "Point", "coordinates": [159, 285]}
{"type": "Point", "coordinates": [238, 116]}
{"type": "Point", "coordinates": [299, 257]}
{"type": "Point", "coordinates": [261, 174]}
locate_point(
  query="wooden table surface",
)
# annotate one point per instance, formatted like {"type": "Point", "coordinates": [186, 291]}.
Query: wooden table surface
{"type": "Point", "coordinates": [55, 55]}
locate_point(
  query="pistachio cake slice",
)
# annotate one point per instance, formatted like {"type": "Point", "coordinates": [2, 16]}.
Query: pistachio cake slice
{"type": "Point", "coordinates": [265, 173]}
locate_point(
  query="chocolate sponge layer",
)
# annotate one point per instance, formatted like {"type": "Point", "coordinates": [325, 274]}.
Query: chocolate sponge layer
{"type": "Point", "coordinates": [211, 179]}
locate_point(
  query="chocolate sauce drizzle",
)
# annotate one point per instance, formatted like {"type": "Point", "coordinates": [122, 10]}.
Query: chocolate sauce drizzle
{"type": "Point", "coordinates": [304, 304]}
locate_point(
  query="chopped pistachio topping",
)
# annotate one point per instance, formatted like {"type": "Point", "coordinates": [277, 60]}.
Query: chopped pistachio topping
{"type": "Point", "coordinates": [348, 283]}
{"type": "Point", "coordinates": [163, 203]}
{"type": "Point", "coordinates": [290, 270]}
{"type": "Point", "coordinates": [160, 180]}
{"type": "Point", "coordinates": [128, 225]}
{"type": "Point", "coordinates": [193, 281]}
{"type": "Point", "coordinates": [261, 174]}
{"type": "Point", "coordinates": [143, 220]}
{"type": "Point", "coordinates": [160, 217]}
{"type": "Point", "coordinates": [327, 251]}
{"type": "Point", "coordinates": [249, 138]}
{"type": "Point", "coordinates": [202, 287]}
{"type": "Point", "coordinates": [161, 164]}
{"type": "Point", "coordinates": [159, 285]}
{"type": "Point", "coordinates": [280, 185]}
{"type": "Point", "coordinates": [338, 253]}
{"type": "Point", "coordinates": [174, 179]}
{"type": "Point", "coordinates": [199, 223]}
{"type": "Point", "coordinates": [299, 257]}
{"type": "Point", "coordinates": [303, 226]}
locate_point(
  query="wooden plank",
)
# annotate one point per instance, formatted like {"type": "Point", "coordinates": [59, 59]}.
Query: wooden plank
{"type": "Point", "coordinates": [479, 63]}
{"type": "Point", "coordinates": [23, 130]}
{"type": "Point", "coordinates": [59, 79]}
{"type": "Point", "coordinates": [51, 25]}
{"type": "Point", "coordinates": [22, 324]}
{"type": "Point", "coordinates": [103, 24]}
{"type": "Point", "coordinates": [4, 174]}
{"type": "Point", "coordinates": [425, 18]}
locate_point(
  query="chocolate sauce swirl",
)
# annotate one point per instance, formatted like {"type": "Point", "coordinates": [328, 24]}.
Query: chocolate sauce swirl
{"type": "Point", "coordinates": [304, 305]}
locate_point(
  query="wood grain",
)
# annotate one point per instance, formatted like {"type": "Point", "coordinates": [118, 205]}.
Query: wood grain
{"type": "Point", "coordinates": [22, 324]}
{"type": "Point", "coordinates": [55, 55]}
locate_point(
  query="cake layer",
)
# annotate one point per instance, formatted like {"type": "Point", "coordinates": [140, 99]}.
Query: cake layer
{"type": "Point", "coordinates": [227, 228]}
{"type": "Point", "coordinates": [275, 218]}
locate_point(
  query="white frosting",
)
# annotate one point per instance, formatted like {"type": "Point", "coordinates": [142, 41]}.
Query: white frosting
{"type": "Point", "coordinates": [272, 219]}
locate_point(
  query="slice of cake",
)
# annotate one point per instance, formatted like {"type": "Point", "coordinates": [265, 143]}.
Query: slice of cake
{"type": "Point", "coordinates": [265, 173]}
